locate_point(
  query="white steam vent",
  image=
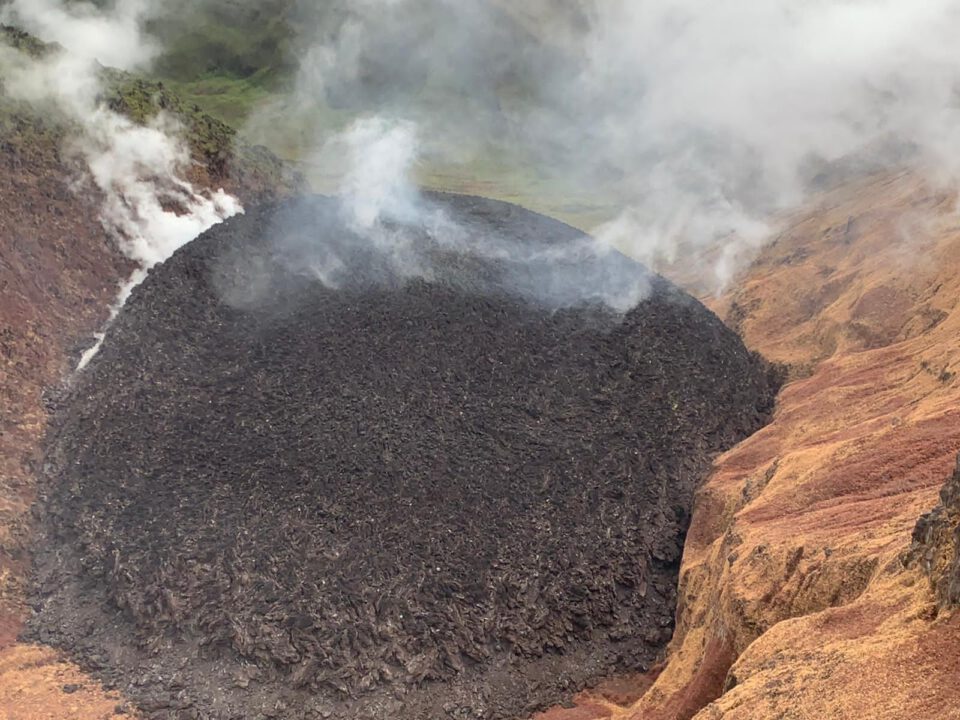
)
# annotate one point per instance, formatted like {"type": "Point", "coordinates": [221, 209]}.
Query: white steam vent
{"type": "Point", "coordinates": [149, 207]}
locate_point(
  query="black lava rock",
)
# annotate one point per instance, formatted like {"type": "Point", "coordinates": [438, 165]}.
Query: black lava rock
{"type": "Point", "coordinates": [316, 473]}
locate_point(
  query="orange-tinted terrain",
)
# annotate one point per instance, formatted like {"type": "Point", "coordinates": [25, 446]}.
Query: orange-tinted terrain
{"type": "Point", "coordinates": [797, 600]}
{"type": "Point", "coordinates": [797, 597]}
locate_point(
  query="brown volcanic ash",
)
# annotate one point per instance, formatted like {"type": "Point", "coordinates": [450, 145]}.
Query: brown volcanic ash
{"type": "Point", "coordinates": [403, 498]}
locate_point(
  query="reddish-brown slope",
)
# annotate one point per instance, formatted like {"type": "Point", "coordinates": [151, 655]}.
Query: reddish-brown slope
{"type": "Point", "coordinates": [794, 595]}
{"type": "Point", "coordinates": [58, 276]}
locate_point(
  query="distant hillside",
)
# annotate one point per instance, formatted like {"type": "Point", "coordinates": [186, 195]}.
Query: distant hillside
{"type": "Point", "coordinates": [221, 155]}
{"type": "Point", "coordinates": [237, 61]}
{"type": "Point", "coordinates": [227, 56]}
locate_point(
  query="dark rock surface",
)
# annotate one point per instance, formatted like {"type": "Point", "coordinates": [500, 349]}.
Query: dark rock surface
{"type": "Point", "coordinates": [454, 485]}
{"type": "Point", "coordinates": [936, 543]}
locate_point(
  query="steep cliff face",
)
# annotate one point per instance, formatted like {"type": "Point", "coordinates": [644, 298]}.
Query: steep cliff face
{"type": "Point", "coordinates": [936, 543]}
{"type": "Point", "coordinates": [796, 599]}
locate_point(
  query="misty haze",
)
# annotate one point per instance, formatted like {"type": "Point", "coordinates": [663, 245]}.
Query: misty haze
{"type": "Point", "coordinates": [424, 359]}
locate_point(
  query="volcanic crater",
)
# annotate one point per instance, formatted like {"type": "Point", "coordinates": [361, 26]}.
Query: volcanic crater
{"type": "Point", "coordinates": [309, 475]}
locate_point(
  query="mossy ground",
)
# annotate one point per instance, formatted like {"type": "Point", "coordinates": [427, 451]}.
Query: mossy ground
{"type": "Point", "coordinates": [24, 42]}
{"type": "Point", "coordinates": [27, 130]}
{"type": "Point", "coordinates": [225, 76]}
{"type": "Point", "coordinates": [236, 66]}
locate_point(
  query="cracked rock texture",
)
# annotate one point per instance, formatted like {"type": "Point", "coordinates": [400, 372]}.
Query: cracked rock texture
{"type": "Point", "coordinates": [414, 497]}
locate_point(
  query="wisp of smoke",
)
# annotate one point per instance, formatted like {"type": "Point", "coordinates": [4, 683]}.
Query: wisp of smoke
{"type": "Point", "coordinates": [113, 38]}
{"type": "Point", "coordinates": [379, 202]}
{"type": "Point", "coordinates": [699, 120]}
{"type": "Point", "coordinates": [377, 186]}
{"type": "Point", "coordinates": [391, 231]}
{"type": "Point", "coordinates": [148, 208]}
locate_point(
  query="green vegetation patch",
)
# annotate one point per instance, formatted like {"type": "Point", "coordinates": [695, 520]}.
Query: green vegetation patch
{"type": "Point", "coordinates": [25, 42]}
{"type": "Point", "coordinates": [142, 100]}
{"type": "Point", "coordinates": [30, 131]}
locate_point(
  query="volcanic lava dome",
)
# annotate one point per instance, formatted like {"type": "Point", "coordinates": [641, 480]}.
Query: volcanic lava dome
{"type": "Point", "coordinates": [423, 471]}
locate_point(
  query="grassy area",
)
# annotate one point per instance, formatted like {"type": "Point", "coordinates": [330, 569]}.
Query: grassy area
{"type": "Point", "coordinates": [29, 131]}
{"type": "Point", "coordinates": [226, 58]}
{"type": "Point", "coordinates": [225, 72]}
{"type": "Point", "coordinates": [503, 172]}
{"type": "Point", "coordinates": [512, 180]}
{"type": "Point", "coordinates": [231, 100]}
{"type": "Point", "coordinates": [213, 142]}
{"type": "Point", "coordinates": [236, 64]}
{"type": "Point", "coordinates": [24, 42]}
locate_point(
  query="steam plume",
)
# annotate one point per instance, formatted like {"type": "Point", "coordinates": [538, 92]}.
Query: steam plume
{"type": "Point", "coordinates": [699, 121]}
{"type": "Point", "coordinates": [391, 230]}
{"type": "Point", "coordinates": [377, 184]}
{"type": "Point", "coordinates": [685, 126]}
{"type": "Point", "coordinates": [148, 208]}
{"type": "Point", "coordinates": [112, 38]}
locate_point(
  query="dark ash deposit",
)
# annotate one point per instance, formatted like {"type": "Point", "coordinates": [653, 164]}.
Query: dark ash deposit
{"type": "Point", "coordinates": [443, 485]}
